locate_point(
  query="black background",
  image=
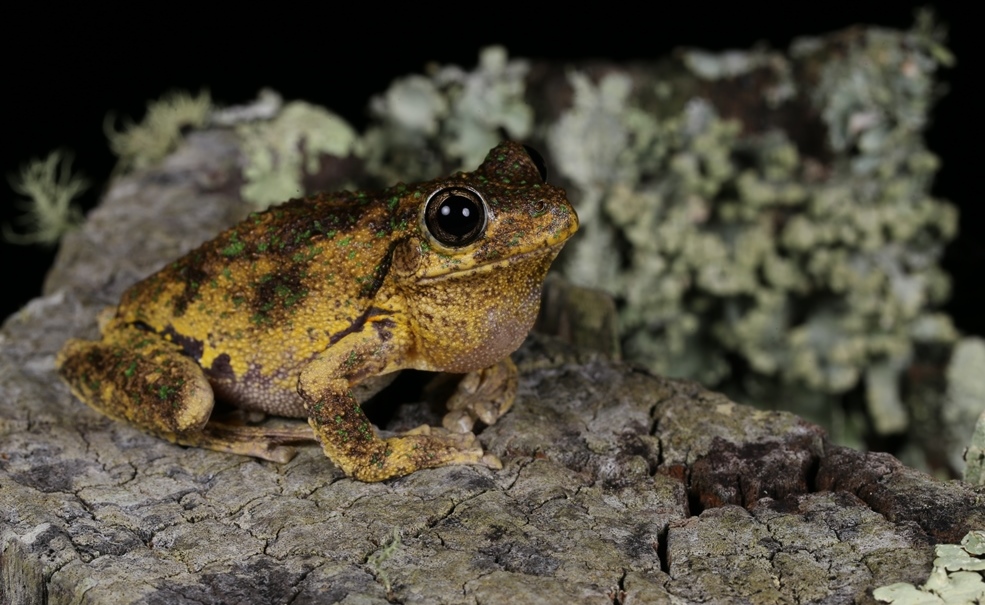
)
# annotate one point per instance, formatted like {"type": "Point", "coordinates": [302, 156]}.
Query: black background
{"type": "Point", "coordinates": [65, 69]}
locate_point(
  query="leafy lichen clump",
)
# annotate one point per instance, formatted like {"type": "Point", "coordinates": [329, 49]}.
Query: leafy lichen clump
{"type": "Point", "coordinates": [280, 152]}
{"type": "Point", "coordinates": [730, 247]}
{"type": "Point", "coordinates": [958, 577]}
{"type": "Point", "coordinates": [449, 118]}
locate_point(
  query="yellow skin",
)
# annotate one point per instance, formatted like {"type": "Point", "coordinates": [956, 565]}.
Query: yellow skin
{"type": "Point", "coordinates": [294, 309]}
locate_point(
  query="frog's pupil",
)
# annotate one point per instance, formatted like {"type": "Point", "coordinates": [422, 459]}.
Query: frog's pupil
{"type": "Point", "coordinates": [455, 217]}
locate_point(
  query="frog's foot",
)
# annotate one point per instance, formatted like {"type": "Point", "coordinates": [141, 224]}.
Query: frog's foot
{"type": "Point", "coordinates": [482, 395]}
{"type": "Point", "coordinates": [351, 442]}
{"type": "Point", "coordinates": [431, 447]}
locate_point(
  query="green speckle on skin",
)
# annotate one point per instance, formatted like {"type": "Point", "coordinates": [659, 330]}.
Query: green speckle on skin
{"type": "Point", "coordinates": [234, 248]}
{"type": "Point", "coordinates": [260, 318]}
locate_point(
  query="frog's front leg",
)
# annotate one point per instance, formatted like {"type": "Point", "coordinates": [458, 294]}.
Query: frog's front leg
{"type": "Point", "coordinates": [138, 377]}
{"type": "Point", "coordinates": [346, 435]}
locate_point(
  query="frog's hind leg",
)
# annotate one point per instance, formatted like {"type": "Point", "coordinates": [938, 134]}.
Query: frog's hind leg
{"type": "Point", "coordinates": [135, 376]}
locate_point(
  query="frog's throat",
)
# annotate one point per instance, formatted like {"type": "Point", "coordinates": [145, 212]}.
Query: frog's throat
{"type": "Point", "coordinates": [489, 267]}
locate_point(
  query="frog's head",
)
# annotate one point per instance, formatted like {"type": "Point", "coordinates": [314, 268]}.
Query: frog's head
{"type": "Point", "coordinates": [485, 241]}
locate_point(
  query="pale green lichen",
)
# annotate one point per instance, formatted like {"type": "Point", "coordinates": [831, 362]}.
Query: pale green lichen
{"type": "Point", "coordinates": [48, 212]}
{"type": "Point", "coordinates": [281, 151]}
{"type": "Point", "coordinates": [732, 245]}
{"type": "Point", "coordinates": [449, 114]}
{"type": "Point", "coordinates": [957, 577]}
{"type": "Point", "coordinates": [144, 144]}
{"type": "Point", "coordinates": [376, 560]}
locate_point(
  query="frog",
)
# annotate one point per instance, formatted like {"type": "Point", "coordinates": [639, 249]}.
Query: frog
{"type": "Point", "coordinates": [302, 310]}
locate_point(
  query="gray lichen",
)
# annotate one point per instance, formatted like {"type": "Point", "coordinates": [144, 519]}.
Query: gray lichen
{"type": "Point", "coordinates": [817, 275]}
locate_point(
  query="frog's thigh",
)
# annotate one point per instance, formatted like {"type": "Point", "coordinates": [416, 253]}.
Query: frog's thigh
{"type": "Point", "coordinates": [346, 435]}
{"type": "Point", "coordinates": [482, 395]}
{"type": "Point", "coordinates": [140, 378]}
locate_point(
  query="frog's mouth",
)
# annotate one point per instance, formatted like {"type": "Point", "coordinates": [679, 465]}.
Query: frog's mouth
{"type": "Point", "coordinates": [464, 270]}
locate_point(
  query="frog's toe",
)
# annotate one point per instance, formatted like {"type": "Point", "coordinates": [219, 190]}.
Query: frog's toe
{"type": "Point", "coordinates": [491, 461]}
{"type": "Point", "coordinates": [458, 421]}
{"type": "Point", "coordinates": [484, 395]}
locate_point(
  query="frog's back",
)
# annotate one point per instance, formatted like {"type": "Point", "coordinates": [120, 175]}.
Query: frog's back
{"type": "Point", "coordinates": [282, 281]}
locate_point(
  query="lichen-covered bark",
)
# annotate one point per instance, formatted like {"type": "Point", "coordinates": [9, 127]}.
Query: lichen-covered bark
{"type": "Point", "coordinates": [618, 486]}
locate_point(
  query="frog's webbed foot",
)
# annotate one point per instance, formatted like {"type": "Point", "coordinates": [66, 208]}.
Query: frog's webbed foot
{"type": "Point", "coordinates": [483, 395]}
{"type": "Point", "coordinates": [351, 442]}
{"type": "Point", "coordinates": [465, 443]}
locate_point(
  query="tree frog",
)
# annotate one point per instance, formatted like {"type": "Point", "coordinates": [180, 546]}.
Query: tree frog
{"type": "Point", "coordinates": [294, 310]}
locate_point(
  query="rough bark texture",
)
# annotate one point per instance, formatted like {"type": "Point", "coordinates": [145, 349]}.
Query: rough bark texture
{"type": "Point", "coordinates": [618, 486]}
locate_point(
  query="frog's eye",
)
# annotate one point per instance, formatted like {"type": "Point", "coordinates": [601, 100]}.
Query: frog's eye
{"type": "Point", "coordinates": [455, 216]}
{"type": "Point", "coordinates": [538, 161]}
